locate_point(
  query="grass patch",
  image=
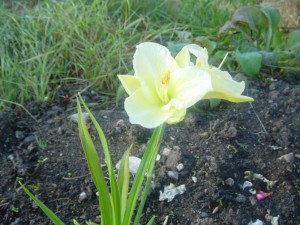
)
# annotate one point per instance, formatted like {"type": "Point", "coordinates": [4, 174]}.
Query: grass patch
{"type": "Point", "coordinates": [51, 41]}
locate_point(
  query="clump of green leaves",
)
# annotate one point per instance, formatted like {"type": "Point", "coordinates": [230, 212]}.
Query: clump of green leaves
{"type": "Point", "coordinates": [254, 34]}
{"type": "Point", "coordinates": [117, 201]}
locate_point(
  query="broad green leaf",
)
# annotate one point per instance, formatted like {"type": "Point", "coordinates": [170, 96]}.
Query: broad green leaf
{"type": "Point", "coordinates": [293, 41]}
{"type": "Point", "coordinates": [144, 169]}
{"type": "Point", "coordinates": [51, 215]}
{"type": "Point", "coordinates": [273, 17]}
{"type": "Point", "coordinates": [251, 17]}
{"type": "Point", "coordinates": [250, 62]}
{"type": "Point", "coordinates": [107, 213]}
{"type": "Point", "coordinates": [111, 173]}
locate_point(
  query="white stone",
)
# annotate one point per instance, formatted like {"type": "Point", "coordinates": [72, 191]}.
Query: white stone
{"type": "Point", "coordinates": [173, 175]}
{"type": "Point", "coordinates": [247, 184]}
{"type": "Point", "coordinates": [171, 191]}
{"type": "Point", "coordinates": [74, 117]}
{"type": "Point", "coordinates": [194, 179]}
{"type": "Point", "coordinates": [257, 222]}
{"type": "Point", "coordinates": [180, 167]}
{"type": "Point", "coordinates": [134, 163]}
{"type": "Point", "coordinates": [287, 157]}
{"type": "Point", "coordinates": [274, 220]}
{"type": "Point", "coordinates": [82, 196]}
{"type": "Point", "coordinates": [166, 151]}
{"type": "Point", "coordinates": [158, 157]}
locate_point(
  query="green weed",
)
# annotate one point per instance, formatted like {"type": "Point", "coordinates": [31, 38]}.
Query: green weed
{"type": "Point", "coordinates": [47, 42]}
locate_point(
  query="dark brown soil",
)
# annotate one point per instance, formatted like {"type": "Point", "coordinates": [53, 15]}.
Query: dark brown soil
{"type": "Point", "coordinates": [215, 146]}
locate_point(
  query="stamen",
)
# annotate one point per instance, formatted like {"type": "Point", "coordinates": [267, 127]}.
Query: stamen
{"type": "Point", "coordinates": [166, 79]}
{"type": "Point", "coordinates": [223, 60]}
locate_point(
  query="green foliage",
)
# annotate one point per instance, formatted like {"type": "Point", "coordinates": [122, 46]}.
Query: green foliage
{"type": "Point", "coordinates": [258, 41]}
{"type": "Point", "coordinates": [117, 203]}
{"type": "Point", "coordinates": [250, 62]}
{"type": "Point", "coordinates": [43, 207]}
{"type": "Point", "coordinates": [293, 41]}
{"type": "Point", "coordinates": [45, 43]}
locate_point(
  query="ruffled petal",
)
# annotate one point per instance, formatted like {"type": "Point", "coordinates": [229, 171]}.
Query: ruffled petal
{"type": "Point", "coordinates": [145, 110]}
{"type": "Point", "coordinates": [151, 62]}
{"type": "Point", "coordinates": [224, 87]}
{"type": "Point", "coordinates": [130, 83]}
{"type": "Point", "coordinates": [189, 85]}
{"type": "Point", "coordinates": [183, 57]}
{"type": "Point", "coordinates": [201, 55]}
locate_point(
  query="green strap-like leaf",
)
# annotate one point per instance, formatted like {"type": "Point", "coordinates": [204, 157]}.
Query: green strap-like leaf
{"type": "Point", "coordinates": [107, 214]}
{"type": "Point", "coordinates": [113, 182]}
{"type": "Point", "coordinates": [123, 181]}
{"type": "Point", "coordinates": [144, 168]}
{"type": "Point", "coordinates": [51, 215]}
{"type": "Point", "coordinates": [151, 220]}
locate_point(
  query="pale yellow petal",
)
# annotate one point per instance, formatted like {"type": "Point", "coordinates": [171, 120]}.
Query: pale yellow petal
{"type": "Point", "coordinates": [189, 85]}
{"type": "Point", "coordinates": [130, 83]}
{"type": "Point", "coordinates": [177, 111]}
{"type": "Point", "coordinates": [201, 55]}
{"type": "Point", "coordinates": [183, 58]}
{"type": "Point", "coordinates": [151, 62]}
{"type": "Point", "coordinates": [144, 111]}
{"type": "Point", "coordinates": [224, 87]}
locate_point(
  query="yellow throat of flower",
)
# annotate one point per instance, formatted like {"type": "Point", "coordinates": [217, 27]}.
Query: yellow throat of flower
{"type": "Point", "coordinates": [164, 87]}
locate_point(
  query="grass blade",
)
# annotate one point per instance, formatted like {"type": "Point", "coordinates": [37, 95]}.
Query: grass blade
{"type": "Point", "coordinates": [51, 215]}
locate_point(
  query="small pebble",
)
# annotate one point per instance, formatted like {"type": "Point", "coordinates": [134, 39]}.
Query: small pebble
{"type": "Point", "coordinates": [215, 210]}
{"type": "Point", "coordinates": [82, 196]}
{"type": "Point", "coordinates": [173, 175]}
{"type": "Point", "coordinates": [74, 117]}
{"type": "Point", "coordinates": [29, 139]}
{"type": "Point", "coordinates": [158, 157]}
{"type": "Point", "coordinates": [19, 134]}
{"type": "Point", "coordinates": [166, 151]}
{"type": "Point", "coordinates": [257, 222]}
{"type": "Point", "coordinates": [203, 214]}
{"type": "Point", "coordinates": [194, 179]}
{"type": "Point", "coordinates": [287, 157]}
{"type": "Point", "coordinates": [60, 131]}
{"type": "Point", "coordinates": [134, 163]}
{"type": "Point", "coordinates": [11, 157]}
{"type": "Point", "coordinates": [180, 167]}
{"type": "Point", "coordinates": [240, 198]}
{"type": "Point", "coordinates": [229, 182]}
{"type": "Point", "coordinates": [253, 200]}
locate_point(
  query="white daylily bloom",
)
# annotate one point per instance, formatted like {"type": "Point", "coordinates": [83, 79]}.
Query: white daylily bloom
{"type": "Point", "coordinates": [162, 87]}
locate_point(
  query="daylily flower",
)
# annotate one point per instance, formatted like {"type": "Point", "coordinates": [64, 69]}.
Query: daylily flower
{"type": "Point", "coordinates": [163, 87]}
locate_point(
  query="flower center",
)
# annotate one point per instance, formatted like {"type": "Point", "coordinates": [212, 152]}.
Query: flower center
{"type": "Point", "coordinates": [164, 87]}
{"type": "Point", "coordinates": [166, 79]}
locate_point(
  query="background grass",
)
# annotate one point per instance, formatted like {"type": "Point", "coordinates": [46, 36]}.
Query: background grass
{"type": "Point", "coordinates": [46, 43]}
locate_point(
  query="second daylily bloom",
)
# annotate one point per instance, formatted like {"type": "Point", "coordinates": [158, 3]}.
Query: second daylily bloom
{"type": "Point", "coordinates": [163, 87]}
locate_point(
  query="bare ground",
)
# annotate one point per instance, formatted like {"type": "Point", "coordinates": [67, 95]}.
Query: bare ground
{"type": "Point", "coordinates": [217, 147]}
